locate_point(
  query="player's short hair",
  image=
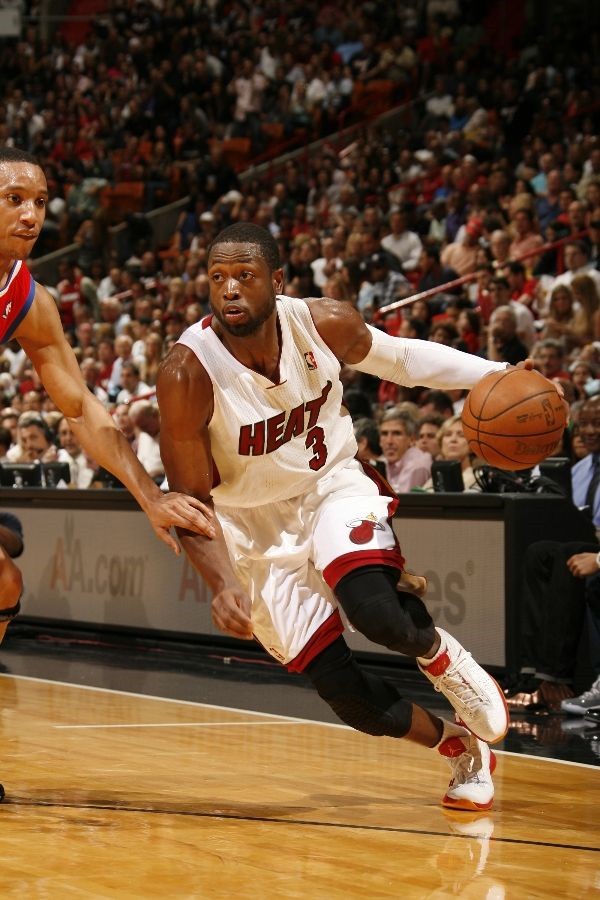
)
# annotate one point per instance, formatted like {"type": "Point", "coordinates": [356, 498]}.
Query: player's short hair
{"type": "Point", "coordinates": [12, 154]}
{"type": "Point", "coordinates": [247, 233]}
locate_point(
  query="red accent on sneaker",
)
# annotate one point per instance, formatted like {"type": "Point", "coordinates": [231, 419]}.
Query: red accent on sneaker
{"type": "Point", "coordinates": [452, 747]}
{"type": "Point", "coordinates": [467, 805]}
{"type": "Point", "coordinates": [439, 665]}
{"type": "Point", "coordinates": [492, 762]}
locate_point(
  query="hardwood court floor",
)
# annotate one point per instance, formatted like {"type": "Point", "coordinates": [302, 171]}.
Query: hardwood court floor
{"type": "Point", "coordinates": [116, 795]}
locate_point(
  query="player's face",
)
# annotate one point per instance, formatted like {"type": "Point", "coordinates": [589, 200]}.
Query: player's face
{"type": "Point", "coordinates": [242, 288]}
{"type": "Point", "coordinates": [394, 440]}
{"type": "Point", "coordinates": [23, 198]}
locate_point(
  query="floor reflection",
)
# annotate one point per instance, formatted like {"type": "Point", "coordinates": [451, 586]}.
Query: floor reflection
{"type": "Point", "coordinates": [555, 735]}
{"type": "Point", "coordinates": [467, 866]}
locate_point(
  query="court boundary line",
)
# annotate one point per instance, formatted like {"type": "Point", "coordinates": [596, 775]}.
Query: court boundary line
{"type": "Point", "coordinates": [309, 823]}
{"type": "Point", "coordinates": [239, 724]}
{"type": "Point", "coordinates": [300, 721]}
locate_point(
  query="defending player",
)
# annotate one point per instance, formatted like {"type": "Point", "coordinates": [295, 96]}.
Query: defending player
{"type": "Point", "coordinates": [28, 313]}
{"type": "Point", "coordinates": [251, 410]}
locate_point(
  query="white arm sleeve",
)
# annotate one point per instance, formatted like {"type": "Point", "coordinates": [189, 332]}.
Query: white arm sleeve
{"type": "Point", "coordinates": [411, 362]}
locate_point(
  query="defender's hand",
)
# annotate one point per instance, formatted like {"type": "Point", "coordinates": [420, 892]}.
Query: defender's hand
{"type": "Point", "coordinates": [181, 511]}
{"type": "Point", "coordinates": [414, 584]}
{"type": "Point", "coordinates": [231, 613]}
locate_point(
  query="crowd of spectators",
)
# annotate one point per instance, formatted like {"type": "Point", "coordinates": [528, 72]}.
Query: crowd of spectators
{"type": "Point", "coordinates": [495, 158]}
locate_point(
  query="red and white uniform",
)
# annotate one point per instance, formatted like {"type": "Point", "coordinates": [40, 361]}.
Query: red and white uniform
{"type": "Point", "coordinates": [297, 509]}
{"type": "Point", "coordinates": [16, 297]}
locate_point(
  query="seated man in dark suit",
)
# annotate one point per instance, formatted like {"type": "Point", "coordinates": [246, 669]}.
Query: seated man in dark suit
{"type": "Point", "coordinates": [562, 585]}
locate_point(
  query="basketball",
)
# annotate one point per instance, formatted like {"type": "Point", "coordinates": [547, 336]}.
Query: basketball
{"type": "Point", "coordinates": [514, 419]}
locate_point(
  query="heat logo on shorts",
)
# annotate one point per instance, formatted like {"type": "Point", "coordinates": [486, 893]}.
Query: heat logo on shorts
{"type": "Point", "coordinates": [362, 530]}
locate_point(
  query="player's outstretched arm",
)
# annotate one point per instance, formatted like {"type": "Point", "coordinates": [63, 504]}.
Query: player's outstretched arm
{"type": "Point", "coordinates": [185, 398]}
{"type": "Point", "coordinates": [42, 338]}
{"type": "Point", "coordinates": [406, 362]}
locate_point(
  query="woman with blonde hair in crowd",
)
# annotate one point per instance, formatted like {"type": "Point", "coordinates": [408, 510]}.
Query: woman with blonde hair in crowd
{"type": "Point", "coordinates": [453, 446]}
{"type": "Point", "coordinates": [353, 249]}
{"type": "Point", "coordinates": [176, 294]}
{"type": "Point", "coordinates": [153, 353]}
{"type": "Point", "coordinates": [338, 288]}
{"type": "Point", "coordinates": [586, 325]}
{"type": "Point", "coordinates": [560, 320]}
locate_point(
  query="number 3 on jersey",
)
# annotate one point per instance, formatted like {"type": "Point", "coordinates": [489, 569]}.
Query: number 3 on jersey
{"type": "Point", "coordinates": [315, 439]}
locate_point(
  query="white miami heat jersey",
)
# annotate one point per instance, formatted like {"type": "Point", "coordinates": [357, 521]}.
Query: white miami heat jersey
{"type": "Point", "coordinates": [269, 441]}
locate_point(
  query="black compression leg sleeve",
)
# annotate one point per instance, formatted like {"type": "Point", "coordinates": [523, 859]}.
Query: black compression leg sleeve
{"type": "Point", "coordinates": [395, 619]}
{"type": "Point", "coordinates": [360, 699]}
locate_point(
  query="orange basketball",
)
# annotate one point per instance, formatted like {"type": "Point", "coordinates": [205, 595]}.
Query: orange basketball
{"type": "Point", "coordinates": [514, 419]}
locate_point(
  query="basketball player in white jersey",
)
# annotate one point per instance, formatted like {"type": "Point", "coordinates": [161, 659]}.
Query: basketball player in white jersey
{"type": "Point", "coordinates": [252, 420]}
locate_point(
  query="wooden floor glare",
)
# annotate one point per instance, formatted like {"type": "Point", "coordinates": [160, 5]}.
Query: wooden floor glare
{"type": "Point", "coordinates": [115, 795]}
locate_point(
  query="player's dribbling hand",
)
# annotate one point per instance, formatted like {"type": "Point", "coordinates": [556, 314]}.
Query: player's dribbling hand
{"type": "Point", "coordinates": [529, 364]}
{"type": "Point", "coordinates": [231, 613]}
{"type": "Point", "coordinates": [178, 510]}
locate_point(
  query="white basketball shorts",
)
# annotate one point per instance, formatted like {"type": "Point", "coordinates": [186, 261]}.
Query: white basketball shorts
{"type": "Point", "coordinates": [290, 555]}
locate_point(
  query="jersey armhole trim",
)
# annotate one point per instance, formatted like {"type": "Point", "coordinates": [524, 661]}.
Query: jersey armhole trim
{"type": "Point", "coordinates": [22, 312]}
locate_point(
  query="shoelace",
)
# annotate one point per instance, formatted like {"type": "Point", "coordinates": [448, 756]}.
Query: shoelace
{"type": "Point", "coordinates": [463, 769]}
{"type": "Point", "coordinates": [595, 689]}
{"type": "Point", "coordinates": [462, 689]}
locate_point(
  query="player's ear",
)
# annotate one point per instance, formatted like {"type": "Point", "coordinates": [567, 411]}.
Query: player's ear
{"type": "Point", "coordinates": [278, 279]}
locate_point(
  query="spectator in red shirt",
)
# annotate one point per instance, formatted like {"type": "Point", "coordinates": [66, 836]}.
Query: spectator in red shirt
{"type": "Point", "coordinates": [69, 294]}
{"type": "Point", "coordinates": [469, 330]}
{"type": "Point", "coordinates": [522, 288]}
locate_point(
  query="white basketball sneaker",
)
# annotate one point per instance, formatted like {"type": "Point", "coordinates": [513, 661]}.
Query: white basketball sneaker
{"type": "Point", "coordinates": [472, 763]}
{"type": "Point", "coordinates": [477, 699]}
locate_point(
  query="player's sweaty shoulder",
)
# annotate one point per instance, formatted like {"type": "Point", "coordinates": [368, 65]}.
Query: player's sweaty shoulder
{"type": "Point", "coordinates": [183, 381]}
{"type": "Point", "coordinates": [339, 324]}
